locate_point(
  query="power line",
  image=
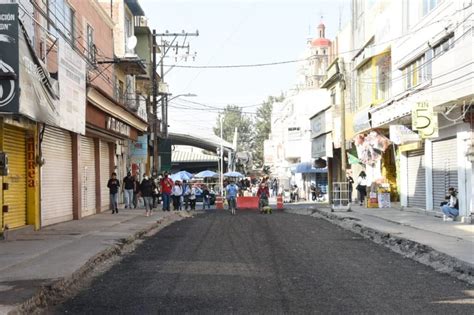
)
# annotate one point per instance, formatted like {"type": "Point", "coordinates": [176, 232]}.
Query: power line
{"type": "Point", "coordinates": [256, 65]}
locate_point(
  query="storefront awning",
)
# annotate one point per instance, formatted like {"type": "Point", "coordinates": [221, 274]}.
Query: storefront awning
{"type": "Point", "coordinates": [307, 167]}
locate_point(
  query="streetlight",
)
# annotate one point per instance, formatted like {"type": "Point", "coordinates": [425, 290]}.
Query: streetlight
{"type": "Point", "coordinates": [184, 95]}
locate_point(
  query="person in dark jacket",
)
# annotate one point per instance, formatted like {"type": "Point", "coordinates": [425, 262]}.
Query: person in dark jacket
{"type": "Point", "coordinates": [146, 190]}
{"type": "Point", "coordinates": [113, 184]}
{"type": "Point", "coordinates": [127, 189]}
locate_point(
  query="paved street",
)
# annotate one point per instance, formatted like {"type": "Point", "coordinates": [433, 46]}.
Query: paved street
{"type": "Point", "coordinates": [280, 263]}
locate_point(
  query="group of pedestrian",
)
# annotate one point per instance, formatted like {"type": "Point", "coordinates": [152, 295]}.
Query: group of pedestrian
{"type": "Point", "coordinates": [182, 195]}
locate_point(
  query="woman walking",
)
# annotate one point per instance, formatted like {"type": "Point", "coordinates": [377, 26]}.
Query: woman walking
{"type": "Point", "coordinates": [146, 191]}
{"type": "Point", "coordinates": [362, 187]}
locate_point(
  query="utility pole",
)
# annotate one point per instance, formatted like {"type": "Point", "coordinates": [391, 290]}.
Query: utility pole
{"type": "Point", "coordinates": [343, 120]}
{"type": "Point", "coordinates": [164, 47]}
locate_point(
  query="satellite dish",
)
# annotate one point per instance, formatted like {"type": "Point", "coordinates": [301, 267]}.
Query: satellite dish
{"type": "Point", "coordinates": [132, 42]}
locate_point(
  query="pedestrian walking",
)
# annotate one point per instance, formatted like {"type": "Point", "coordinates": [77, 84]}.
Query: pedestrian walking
{"type": "Point", "coordinates": [262, 193]}
{"type": "Point", "coordinates": [156, 191]}
{"type": "Point", "coordinates": [136, 191]}
{"type": "Point", "coordinates": [350, 183]}
{"type": "Point", "coordinates": [177, 194]}
{"type": "Point", "coordinates": [450, 207]}
{"type": "Point", "coordinates": [166, 184]}
{"type": "Point", "coordinates": [192, 197]}
{"type": "Point", "coordinates": [186, 194]}
{"type": "Point", "coordinates": [206, 198]}
{"type": "Point", "coordinates": [146, 191]}
{"type": "Point", "coordinates": [113, 184]}
{"type": "Point", "coordinates": [127, 189]}
{"type": "Point", "coordinates": [231, 194]}
{"type": "Point", "coordinates": [362, 187]}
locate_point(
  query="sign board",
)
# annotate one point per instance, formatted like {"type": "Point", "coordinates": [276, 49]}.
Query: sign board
{"type": "Point", "coordinates": [139, 150]}
{"type": "Point", "coordinates": [394, 111]}
{"type": "Point", "coordinates": [400, 134]}
{"type": "Point", "coordinates": [60, 103]}
{"type": "Point", "coordinates": [321, 147]}
{"type": "Point", "coordinates": [117, 126]}
{"type": "Point", "coordinates": [410, 147]}
{"type": "Point", "coordinates": [424, 120]}
{"type": "Point", "coordinates": [9, 60]}
{"type": "Point", "coordinates": [361, 121]}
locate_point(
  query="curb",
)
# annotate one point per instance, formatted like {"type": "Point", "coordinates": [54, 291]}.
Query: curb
{"type": "Point", "coordinates": [419, 252]}
{"type": "Point", "coordinates": [54, 292]}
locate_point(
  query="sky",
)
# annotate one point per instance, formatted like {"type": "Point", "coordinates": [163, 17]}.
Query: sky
{"type": "Point", "coordinates": [236, 32]}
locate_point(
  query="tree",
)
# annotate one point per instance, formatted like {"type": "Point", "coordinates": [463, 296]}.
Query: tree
{"type": "Point", "coordinates": [234, 117]}
{"type": "Point", "coordinates": [263, 127]}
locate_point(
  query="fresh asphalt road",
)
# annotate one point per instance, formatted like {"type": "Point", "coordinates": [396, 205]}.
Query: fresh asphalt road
{"type": "Point", "coordinates": [280, 263]}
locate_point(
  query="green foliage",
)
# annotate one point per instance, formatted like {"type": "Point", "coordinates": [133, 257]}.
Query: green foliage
{"type": "Point", "coordinates": [232, 118]}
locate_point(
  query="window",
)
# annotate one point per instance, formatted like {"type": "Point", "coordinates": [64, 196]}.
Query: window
{"type": "Point", "coordinates": [429, 5]}
{"type": "Point", "coordinates": [61, 19]}
{"type": "Point", "coordinates": [364, 84]}
{"type": "Point", "coordinates": [128, 33]}
{"type": "Point", "coordinates": [443, 46]}
{"type": "Point", "coordinates": [418, 72]}
{"type": "Point", "coordinates": [91, 50]}
{"type": "Point", "coordinates": [383, 68]}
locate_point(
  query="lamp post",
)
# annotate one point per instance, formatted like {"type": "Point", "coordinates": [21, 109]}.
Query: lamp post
{"type": "Point", "coordinates": [181, 95]}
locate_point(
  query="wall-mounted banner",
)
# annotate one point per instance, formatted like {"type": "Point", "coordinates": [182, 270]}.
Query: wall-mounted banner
{"type": "Point", "coordinates": [139, 150]}
{"type": "Point", "coordinates": [425, 120]}
{"type": "Point", "coordinates": [9, 90]}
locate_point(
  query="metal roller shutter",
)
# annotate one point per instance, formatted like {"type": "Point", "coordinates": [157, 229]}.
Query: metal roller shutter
{"type": "Point", "coordinates": [104, 174]}
{"type": "Point", "coordinates": [15, 197]}
{"type": "Point", "coordinates": [416, 179]}
{"type": "Point", "coordinates": [88, 176]}
{"type": "Point", "coordinates": [445, 170]}
{"type": "Point", "coordinates": [56, 177]}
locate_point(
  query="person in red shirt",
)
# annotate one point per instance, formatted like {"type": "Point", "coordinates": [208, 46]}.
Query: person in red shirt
{"type": "Point", "coordinates": [263, 193]}
{"type": "Point", "coordinates": [166, 184]}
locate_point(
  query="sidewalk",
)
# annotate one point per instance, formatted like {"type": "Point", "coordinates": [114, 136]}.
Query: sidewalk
{"type": "Point", "coordinates": [450, 244]}
{"type": "Point", "coordinates": [56, 256]}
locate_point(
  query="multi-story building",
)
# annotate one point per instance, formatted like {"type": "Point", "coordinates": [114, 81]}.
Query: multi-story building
{"type": "Point", "coordinates": [432, 95]}
{"type": "Point", "coordinates": [412, 98]}
{"type": "Point", "coordinates": [63, 133]}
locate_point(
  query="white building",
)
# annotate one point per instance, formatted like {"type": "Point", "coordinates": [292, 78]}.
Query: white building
{"type": "Point", "coordinates": [414, 69]}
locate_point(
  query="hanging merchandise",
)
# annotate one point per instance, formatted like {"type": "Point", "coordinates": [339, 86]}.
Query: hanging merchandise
{"type": "Point", "coordinates": [370, 147]}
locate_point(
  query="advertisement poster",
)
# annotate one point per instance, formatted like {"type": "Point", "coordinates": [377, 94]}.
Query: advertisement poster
{"type": "Point", "coordinates": [9, 90]}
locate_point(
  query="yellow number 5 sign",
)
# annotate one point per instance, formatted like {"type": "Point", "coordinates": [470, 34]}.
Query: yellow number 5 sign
{"type": "Point", "coordinates": [424, 120]}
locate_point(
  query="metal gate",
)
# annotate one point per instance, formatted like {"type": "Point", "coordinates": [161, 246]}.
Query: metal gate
{"type": "Point", "coordinates": [416, 190]}
{"type": "Point", "coordinates": [15, 196]}
{"type": "Point", "coordinates": [88, 176]}
{"type": "Point", "coordinates": [104, 174]}
{"type": "Point", "coordinates": [445, 169]}
{"type": "Point", "coordinates": [56, 177]}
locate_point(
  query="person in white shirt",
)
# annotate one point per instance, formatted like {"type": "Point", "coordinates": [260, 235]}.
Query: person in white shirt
{"type": "Point", "coordinates": [450, 207]}
{"type": "Point", "coordinates": [362, 187]}
{"type": "Point", "coordinates": [176, 194]}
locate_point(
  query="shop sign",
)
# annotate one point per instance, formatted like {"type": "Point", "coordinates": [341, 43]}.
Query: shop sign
{"type": "Point", "coordinates": [139, 150]}
{"type": "Point", "coordinates": [425, 120]}
{"type": "Point", "coordinates": [60, 102]}
{"type": "Point", "coordinates": [321, 147]}
{"type": "Point", "coordinates": [9, 63]}
{"type": "Point", "coordinates": [390, 113]}
{"type": "Point", "coordinates": [410, 147]}
{"type": "Point", "coordinates": [321, 123]}
{"type": "Point", "coordinates": [361, 121]}
{"type": "Point", "coordinates": [31, 163]}
{"type": "Point", "coordinates": [118, 126]}
{"type": "Point", "coordinates": [400, 134]}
